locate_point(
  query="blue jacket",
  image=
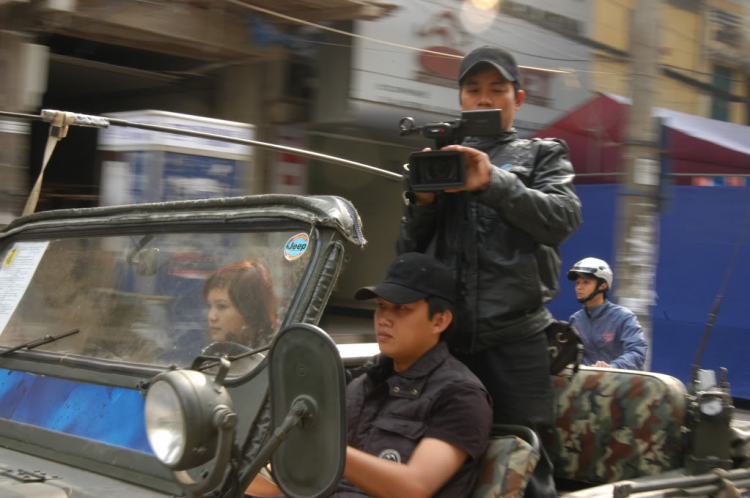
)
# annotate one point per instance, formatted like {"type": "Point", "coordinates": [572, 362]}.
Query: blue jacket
{"type": "Point", "coordinates": [612, 334]}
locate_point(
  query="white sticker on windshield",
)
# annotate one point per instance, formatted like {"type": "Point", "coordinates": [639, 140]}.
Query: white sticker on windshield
{"type": "Point", "coordinates": [16, 271]}
{"type": "Point", "coordinates": [296, 246]}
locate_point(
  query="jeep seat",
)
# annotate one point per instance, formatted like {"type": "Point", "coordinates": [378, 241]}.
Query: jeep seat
{"type": "Point", "coordinates": [613, 424]}
{"type": "Point", "coordinates": [508, 463]}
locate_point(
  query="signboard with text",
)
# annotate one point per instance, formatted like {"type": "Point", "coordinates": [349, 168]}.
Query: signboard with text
{"type": "Point", "coordinates": [446, 30]}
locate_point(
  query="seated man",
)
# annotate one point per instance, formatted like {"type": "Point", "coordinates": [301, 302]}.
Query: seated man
{"type": "Point", "coordinates": [611, 334]}
{"type": "Point", "coordinates": [418, 421]}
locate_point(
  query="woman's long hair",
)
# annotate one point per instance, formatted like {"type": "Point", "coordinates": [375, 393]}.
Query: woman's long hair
{"type": "Point", "coordinates": [250, 289]}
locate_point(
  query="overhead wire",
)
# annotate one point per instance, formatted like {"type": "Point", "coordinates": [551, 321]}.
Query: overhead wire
{"type": "Point", "coordinates": [519, 35]}
{"type": "Point", "coordinates": [438, 54]}
{"type": "Point", "coordinates": [695, 71]}
{"type": "Point", "coordinates": [451, 56]}
{"type": "Point", "coordinates": [367, 38]}
{"type": "Point", "coordinates": [441, 54]}
{"type": "Point", "coordinates": [344, 45]}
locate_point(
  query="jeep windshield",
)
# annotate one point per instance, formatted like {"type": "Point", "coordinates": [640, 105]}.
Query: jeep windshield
{"type": "Point", "coordinates": [158, 299]}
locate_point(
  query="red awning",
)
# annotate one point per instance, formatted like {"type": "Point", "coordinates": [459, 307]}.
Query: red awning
{"type": "Point", "coordinates": [697, 145]}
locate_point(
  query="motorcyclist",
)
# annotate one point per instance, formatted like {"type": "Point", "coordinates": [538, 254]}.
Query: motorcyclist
{"type": "Point", "coordinates": [612, 336]}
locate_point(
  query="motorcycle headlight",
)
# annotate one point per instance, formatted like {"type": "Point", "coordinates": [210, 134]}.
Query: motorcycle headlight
{"type": "Point", "coordinates": [165, 423]}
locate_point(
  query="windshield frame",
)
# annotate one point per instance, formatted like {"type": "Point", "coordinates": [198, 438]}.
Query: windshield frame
{"type": "Point", "coordinates": [119, 373]}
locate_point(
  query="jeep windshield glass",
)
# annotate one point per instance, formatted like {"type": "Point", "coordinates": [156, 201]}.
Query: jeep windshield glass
{"type": "Point", "coordinates": [159, 303]}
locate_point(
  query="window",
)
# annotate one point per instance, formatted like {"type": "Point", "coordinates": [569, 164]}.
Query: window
{"type": "Point", "coordinates": [727, 28]}
{"type": "Point", "coordinates": [723, 80]}
{"type": "Point", "coordinates": [691, 5]}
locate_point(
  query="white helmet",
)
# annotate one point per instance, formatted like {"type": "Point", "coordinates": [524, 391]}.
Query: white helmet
{"type": "Point", "coordinates": [592, 268]}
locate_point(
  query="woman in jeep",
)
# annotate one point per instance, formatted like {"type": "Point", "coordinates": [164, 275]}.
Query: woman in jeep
{"type": "Point", "coordinates": [241, 304]}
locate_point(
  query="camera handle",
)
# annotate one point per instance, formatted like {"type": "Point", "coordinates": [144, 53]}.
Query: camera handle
{"type": "Point", "coordinates": [407, 126]}
{"type": "Point", "coordinates": [435, 170]}
{"type": "Point", "coordinates": [443, 133]}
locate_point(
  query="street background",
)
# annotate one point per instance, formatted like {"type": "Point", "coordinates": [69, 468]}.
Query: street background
{"type": "Point", "coordinates": [652, 96]}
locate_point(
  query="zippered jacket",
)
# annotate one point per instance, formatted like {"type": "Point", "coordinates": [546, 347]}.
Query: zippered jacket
{"type": "Point", "coordinates": [503, 242]}
{"type": "Point", "coordinates": [611, 333]}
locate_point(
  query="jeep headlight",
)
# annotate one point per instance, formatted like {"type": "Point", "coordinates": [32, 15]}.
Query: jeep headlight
{"type": "Point", "coordinates": [185, 411]}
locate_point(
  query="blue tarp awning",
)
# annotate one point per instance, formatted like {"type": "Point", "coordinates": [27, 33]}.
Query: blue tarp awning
{"type": "Point", "coordinates": [698, 237]}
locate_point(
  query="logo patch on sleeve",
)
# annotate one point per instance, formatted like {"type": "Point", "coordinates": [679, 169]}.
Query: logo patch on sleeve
{"type": "Point", "coordinates": [390, 455]}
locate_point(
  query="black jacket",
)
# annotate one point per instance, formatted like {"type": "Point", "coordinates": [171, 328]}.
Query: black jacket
{"type": "Point", "coordinates": [503, 242]}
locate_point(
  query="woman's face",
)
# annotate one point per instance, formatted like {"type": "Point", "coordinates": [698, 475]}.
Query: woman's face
{"type": "Point", "coordinates": [224, 318]}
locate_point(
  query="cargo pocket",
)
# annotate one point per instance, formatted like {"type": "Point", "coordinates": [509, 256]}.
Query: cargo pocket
{"type": "Point", "coordinates": [394, 439]}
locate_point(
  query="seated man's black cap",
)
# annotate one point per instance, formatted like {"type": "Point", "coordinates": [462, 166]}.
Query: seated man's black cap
{"type": "Point", "coordinates": [500, 59]}
{"type": "Point", "coordinates": [411, 277]}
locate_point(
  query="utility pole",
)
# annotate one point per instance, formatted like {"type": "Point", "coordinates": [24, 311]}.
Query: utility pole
{"type": "Point", "coordinates": [14, 133]}
{"type": "Point", "coordinates": [23, 81]}
{"type": "Point", "coordinates": [638, 224]}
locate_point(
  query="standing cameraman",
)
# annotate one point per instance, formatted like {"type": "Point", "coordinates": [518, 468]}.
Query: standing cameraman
{"type": "Point", "coordinates": [500, 233]}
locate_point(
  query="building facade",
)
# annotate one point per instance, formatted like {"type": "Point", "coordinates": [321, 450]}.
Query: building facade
{"type": "Point", "coordinates": [704, 55]}
{"type": "Point", "coordinates": [226, 59]}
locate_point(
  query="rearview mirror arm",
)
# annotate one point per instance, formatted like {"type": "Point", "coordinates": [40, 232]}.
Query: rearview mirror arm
{"type": "Point", "coordinates": [302, 412]}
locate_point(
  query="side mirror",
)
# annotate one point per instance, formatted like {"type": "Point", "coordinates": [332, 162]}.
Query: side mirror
{"type": "Point", "coordinates": [148, 262]}
{"type": "Point", "coordinates": [308, 384]}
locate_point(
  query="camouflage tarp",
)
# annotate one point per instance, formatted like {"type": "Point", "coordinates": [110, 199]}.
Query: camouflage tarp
{"type": "Point", "coordinates": [616, 424]}
{"type": "Point", "coordinates": [506, 468]}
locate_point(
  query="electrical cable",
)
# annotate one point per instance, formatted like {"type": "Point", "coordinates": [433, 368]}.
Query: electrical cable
{"type": "Point", "coordinates": [374, 40]}
{"type": "Point", "coordinates": [695, 71]}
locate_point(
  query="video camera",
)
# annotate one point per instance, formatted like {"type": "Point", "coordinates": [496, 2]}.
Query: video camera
{"type": "Point", "coordinates": [444, 169]}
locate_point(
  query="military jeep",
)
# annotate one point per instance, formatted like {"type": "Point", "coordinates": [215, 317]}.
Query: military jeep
{"type": "Point", "coordinates": [110, 384]}
{"type": "Point", "coordinates": [103, 306]}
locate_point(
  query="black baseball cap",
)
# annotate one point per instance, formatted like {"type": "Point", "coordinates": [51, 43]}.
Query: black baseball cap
{"type": "Point", "coordinates": [501, 59]}
{"type": "Point", "coordinates": [411, 277]}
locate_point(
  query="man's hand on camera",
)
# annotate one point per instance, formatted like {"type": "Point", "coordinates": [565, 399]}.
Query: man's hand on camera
{"type": "Point", "coordinates": [478, 169]}
{"type": "Point", "coordinates": [424, 198]}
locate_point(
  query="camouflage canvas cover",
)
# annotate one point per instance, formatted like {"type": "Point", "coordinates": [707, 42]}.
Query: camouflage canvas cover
{"type": "Point", "coordinates": [506, 468]}
{"type": "Point", "coordinates": [615, 424]}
